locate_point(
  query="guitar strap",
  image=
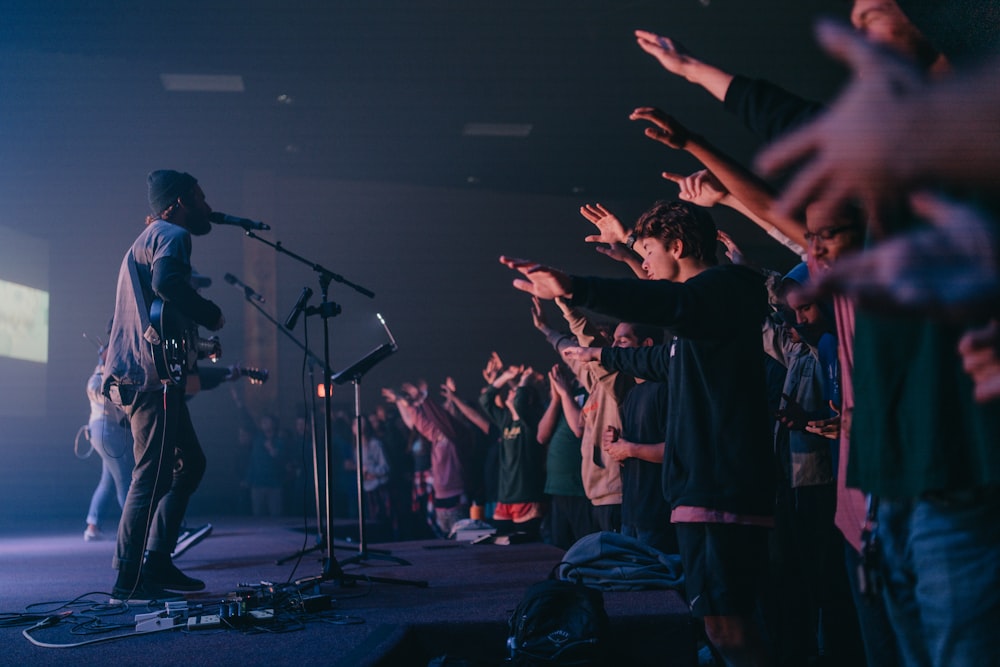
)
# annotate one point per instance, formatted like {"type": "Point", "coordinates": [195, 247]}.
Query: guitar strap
{"type": "Point", "coordinates": [148, 331]}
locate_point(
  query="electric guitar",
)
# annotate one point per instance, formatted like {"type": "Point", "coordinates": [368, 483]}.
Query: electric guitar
{"type": "Point", "coordinates": [180, 346]}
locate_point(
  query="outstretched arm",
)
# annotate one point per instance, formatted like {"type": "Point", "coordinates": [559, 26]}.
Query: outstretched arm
{"type": "Point", "coordinates": [448, 390]}
{"type": "Point", "coordinates": [754, 194]}
{"type": "Point", "coordinates": [677, 60]}
{"type": "Point", "coordinates": [702, 188]}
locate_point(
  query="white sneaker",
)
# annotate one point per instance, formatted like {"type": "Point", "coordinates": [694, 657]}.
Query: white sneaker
{"type": "Point", "coordinates": [91, 534]}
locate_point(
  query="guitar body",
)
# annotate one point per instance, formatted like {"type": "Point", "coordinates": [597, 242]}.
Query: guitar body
{"type": "Point", "coordinates": [179, 347]}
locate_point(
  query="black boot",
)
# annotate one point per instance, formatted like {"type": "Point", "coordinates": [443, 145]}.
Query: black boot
{"type": "Point", "coordinates": [131, 587]}
{"type": "Point", "coordinates": [159, 571]}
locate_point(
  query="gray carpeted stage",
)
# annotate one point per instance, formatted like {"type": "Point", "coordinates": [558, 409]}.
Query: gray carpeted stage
{"type": "Point", "coordinates": [462, 612]}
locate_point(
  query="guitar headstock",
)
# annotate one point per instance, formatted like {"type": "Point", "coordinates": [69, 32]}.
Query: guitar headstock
{"type": "Point", "coordinates": [254, 375]}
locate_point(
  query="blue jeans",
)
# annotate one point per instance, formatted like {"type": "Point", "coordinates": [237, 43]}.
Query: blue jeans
{"type": "Point", "coordinates": [169, 464]}
{"type": "Point", "coordinates": [113, 443]}
{"type": "Point", "coordinates": [941, 561]}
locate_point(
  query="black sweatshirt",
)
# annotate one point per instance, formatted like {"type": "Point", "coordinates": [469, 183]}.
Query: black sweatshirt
{"type": "Point", "coordinates": [718, 444]}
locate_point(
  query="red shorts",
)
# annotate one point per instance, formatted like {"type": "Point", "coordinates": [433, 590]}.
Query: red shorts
{"type": "Point", "coordinates": [517, 512]}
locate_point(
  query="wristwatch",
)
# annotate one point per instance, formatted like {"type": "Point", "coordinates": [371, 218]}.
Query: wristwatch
{"type": "Point", "coordinates": [630, 241]}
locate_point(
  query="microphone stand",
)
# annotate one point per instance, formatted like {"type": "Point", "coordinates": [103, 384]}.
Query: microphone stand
{"type": "Point", "coordinates": [353, 374]}
{"type": "Point", "coordinates": [313, 362]}
{"type": "Point", "coordinates": [326, 309]}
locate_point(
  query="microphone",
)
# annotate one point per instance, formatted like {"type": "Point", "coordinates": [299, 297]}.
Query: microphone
{"type": "Point", "coordinates": [247, 224]}
{"type": "Point", "coordinates": [300, 305]}
{"type": "Point", "coordinates": [248, 291]}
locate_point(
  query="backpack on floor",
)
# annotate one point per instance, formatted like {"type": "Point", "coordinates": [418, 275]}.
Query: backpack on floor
{"type": "Point", "coordinates": [558, 623]}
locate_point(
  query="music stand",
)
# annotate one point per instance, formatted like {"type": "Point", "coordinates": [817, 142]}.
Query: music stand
{"type": "Point", "coordinates": [353, 374]}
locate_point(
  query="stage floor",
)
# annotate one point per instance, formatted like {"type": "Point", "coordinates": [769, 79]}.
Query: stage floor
{"type": "Point", "coordinates": [462, 611]}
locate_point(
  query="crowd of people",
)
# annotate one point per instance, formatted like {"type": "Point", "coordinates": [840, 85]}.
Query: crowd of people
{"type": "Point", "coordinates": [818, 445]}
{"type": "Point", "coordinates": [855, 516]}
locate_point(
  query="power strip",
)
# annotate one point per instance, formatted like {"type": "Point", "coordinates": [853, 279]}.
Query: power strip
{"type": "Point", "coordinates": [205, 622]}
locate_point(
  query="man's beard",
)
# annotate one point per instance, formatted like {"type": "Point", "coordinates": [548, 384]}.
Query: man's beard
{"type": "Point", "coordinates": [199, 225]}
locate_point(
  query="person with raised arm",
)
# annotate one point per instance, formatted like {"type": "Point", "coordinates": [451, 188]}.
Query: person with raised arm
{"type": "Point", "coordinates": [718, 475]}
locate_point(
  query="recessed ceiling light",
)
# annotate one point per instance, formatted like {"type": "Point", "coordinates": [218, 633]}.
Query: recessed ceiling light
{"type": "Point", "coordinates": [203, 83]}
{"type": "Point", "coordinates": [516, 130]}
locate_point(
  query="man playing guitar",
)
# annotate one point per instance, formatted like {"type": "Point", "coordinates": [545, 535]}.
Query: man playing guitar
{"type": "Point", "coordinates": [169, 462]}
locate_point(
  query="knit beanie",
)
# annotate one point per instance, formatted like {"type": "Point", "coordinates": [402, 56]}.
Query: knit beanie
{"type": "Point", "coordinates": [165, 186]}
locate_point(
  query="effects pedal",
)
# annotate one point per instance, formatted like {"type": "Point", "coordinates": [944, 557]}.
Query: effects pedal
{"type": "Point", "coordinates": [206, 622]}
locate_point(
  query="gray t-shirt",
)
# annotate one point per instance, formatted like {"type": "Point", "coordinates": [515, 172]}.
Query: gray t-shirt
{"type": "Point", "coordinates": [162, 255]}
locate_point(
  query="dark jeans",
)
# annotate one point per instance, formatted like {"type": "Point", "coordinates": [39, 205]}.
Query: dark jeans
{"type": "Point", "coordinates": [608, 517]}
{"type": "Point", "coordinates": [570, 518]}
{"type": "Point", "coordinates": [169, 464]}
{"type": "Point", "coordinates": [941, 559]}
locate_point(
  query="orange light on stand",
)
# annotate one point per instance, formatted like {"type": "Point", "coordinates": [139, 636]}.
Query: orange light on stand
{"type": "Point", "coordinates": [321, 390]}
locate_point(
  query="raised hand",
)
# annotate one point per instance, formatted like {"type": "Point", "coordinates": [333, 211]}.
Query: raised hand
{"type": "Point", "coordinates": [701, 188]}
{"type": "Point", "coordinates": [733, 251]}
{"type": "Point", "coordinates": [538, 315]}
{"type": "Point", "coordinates": [448, 389]}
{"type": "Point", "coordinates": [611, 228]}
{"type": "Point", "coordinates": [557, 382]}
{"type": "Point", "coordinates": [493, 367]}
{"type": "Point", "coordinates": [665, 128]}
{"type": "Point", "coordinates": [674, 57]}
{"type": "Point", "coordinates": [389, 395]}
{"type": "Point", "coordinates": [539, 280]}
{"type": "Point", "coordinates": [509, 374]}
{"type": "Point", "coordinates": [856, 150]}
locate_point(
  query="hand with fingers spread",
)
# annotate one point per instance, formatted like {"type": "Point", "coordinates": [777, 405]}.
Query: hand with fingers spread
{"type": "Point", "coordinates": [611, 228]}
{"type": "Point", "coordinates": [389, 395]}
{"type": "Point", "coordinates": [539, 280]}
{"type": "Point", "coordinates": [666, 129]}
{"type": "Point", "coordinates": [701, 188]}
{"type": "Point", "coordinates": [856, 150]}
